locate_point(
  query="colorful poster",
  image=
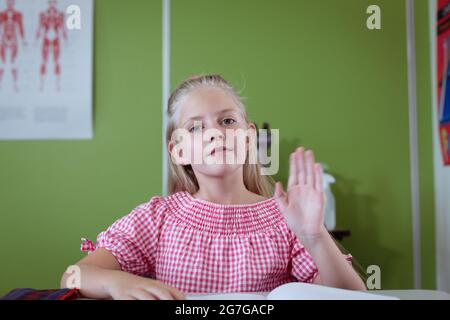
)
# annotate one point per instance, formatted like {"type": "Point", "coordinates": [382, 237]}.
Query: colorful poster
{"type": "Point", "coordinates": [443, 74]}
{"type": "Point", "coordinates": [46, 69]}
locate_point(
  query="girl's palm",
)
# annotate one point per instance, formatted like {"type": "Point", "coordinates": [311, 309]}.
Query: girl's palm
{"type": "Point", "coordinates": [303, 204]}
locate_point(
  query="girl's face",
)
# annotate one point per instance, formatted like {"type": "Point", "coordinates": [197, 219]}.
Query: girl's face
{"type": "Point", "coordinates": [216, 140]}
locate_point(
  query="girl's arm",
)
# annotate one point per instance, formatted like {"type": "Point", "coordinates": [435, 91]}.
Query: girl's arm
{"type": "Point", "coordinates": [101, 278]}
{"type": "Point", "coordinates": [96, 271]}
{"type": "Point", "coordinates": [334, 270]}
{"type": "Point", "coordinates": [303, 207]}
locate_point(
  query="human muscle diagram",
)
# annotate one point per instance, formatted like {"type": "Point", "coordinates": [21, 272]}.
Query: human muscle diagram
{"type": "Point", "coordinates": [51, 29]}
{"type": "Point", "coordinates": [45, 69]}
{"type": "Point", "coordinates": [11, 33]}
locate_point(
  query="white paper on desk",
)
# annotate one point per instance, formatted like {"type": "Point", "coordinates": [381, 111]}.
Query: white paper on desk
{"type": "Point", "coordinates": [227, 296]}
{"type": "Point", "coordinates": [295, 291]}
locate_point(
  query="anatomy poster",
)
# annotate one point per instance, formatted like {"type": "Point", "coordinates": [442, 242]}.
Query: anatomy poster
{"type": "Point", "coordinates": [46, 69]}
{"type": "Point", "coordinates": [443, 73]}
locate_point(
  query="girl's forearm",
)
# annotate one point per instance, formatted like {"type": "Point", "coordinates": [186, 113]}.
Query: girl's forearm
{"type": "Point", "coordinates": [94, 281]}
{"type": "Point", "coordinates": [334, 270]}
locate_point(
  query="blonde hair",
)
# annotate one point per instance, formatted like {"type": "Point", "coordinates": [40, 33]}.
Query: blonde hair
{"type": "Point", "coordinates": [182, 178]}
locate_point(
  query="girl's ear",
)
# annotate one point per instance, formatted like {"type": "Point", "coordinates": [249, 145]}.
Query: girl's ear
{"type": "Point", "coordinates": [251, 125]}
{"type": "Point", "coordinates": [251, 137]}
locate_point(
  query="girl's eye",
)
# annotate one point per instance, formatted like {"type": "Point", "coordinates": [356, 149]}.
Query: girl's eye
{"type": "Point", "coordinates": [228, 121]}
{"type": "Point", "coordinates": [195, 128]}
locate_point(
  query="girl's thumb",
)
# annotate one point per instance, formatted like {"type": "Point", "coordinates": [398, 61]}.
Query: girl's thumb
{"type": "Point", "coordinates": [280, 195]}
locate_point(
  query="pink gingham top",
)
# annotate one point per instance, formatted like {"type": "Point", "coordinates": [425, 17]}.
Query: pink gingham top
{"type": "Point", "coordinates": [199, 246]}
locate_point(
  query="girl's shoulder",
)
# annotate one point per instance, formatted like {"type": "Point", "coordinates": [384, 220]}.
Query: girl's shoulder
{"type": "Point", "coordinates": [154, 204]}
{"type": "Point", "coordinates": [164, 204]}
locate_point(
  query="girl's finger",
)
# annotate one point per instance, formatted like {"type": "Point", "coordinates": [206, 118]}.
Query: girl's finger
{"type": "Point", "coordinates": [301, 166]}
{"type": "Point", "coordinates": [278, 192]}
{"type": "Point", "coordinates": [160, 293]}
{"type": "Point", "coordinates": [318, 177]}
{"type": "Point", "coordinates": [292, 171]}
{"type": "Point", "coordinates": [280, 195]}
{"type": "Point", "coordinates": [309, 155]}
{"type": "Point", "coordinates": [177, 294]}
{"type": "Point", "coordinates": [174, 292]}
{"type": "Point", "coordinates": [143, 295]}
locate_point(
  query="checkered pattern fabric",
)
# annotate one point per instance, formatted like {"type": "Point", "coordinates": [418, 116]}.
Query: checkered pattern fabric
{"type": "Point", "coordinates": [199, 246]}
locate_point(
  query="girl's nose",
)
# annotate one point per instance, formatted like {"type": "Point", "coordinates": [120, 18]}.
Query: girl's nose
{"type": "Point", "coordinates": [217, 134]}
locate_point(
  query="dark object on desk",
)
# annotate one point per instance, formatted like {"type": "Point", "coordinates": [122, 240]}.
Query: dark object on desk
{"type": "Point", "coordinates": [340, 234]}
{"type": "Point", "coordinates": [33, 294]}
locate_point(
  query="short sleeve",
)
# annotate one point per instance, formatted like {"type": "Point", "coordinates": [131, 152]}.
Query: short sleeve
{"type": "Point", "coordinates": [133, 239]}
{"type": "Point", "coordinates": [302, 266]}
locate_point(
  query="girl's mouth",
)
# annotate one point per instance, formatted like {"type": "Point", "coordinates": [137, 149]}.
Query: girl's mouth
{"type": "Point", "coordinates": [219, 149]}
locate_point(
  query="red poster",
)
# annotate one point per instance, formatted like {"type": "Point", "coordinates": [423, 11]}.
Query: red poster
{"type": "Point", "coordinates": [443, 74]}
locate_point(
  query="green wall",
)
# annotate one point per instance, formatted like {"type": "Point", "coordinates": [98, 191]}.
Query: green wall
{"type": "Point", "coordinates": [54, 192]}
{"type": "Point", "coordinates": [313, 70]}
{"type": "Point", "coordinates": [309, 68]}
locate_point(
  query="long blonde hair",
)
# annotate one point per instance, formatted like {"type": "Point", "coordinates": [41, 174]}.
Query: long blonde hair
{"type": "Point", "coordinates": [182, 178]}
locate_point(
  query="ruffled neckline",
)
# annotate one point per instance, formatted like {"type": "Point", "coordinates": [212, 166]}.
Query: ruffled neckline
{"type": "Point", "coordinates": [225, 218]}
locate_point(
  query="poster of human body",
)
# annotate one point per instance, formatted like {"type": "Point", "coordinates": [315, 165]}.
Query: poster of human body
{"type": "Point", "coordinates": [443, 74]}
{"type": "Point", "coordinates": [45, 69]}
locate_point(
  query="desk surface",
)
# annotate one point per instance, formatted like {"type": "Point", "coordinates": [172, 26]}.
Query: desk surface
{"type": "Point", "coordinates": [414, 294]}
{"type": "Point", "coordinates": [400, 294]}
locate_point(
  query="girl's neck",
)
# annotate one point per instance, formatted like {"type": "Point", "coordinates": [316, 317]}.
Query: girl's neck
{"type": "Point", "coordinates": [228, 189]}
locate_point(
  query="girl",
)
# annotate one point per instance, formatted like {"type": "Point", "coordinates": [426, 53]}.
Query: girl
{"type": "Point", "coordinates": [220, 229]}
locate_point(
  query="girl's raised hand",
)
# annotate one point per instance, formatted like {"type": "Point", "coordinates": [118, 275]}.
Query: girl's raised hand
{"type": "Point", "coordinates": [303, 205]}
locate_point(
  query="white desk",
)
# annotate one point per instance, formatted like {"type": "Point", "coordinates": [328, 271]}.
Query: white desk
{"type": "Point", "coordinates": [414, 294]}
{"type": "Point", "coordinates": [400, 294]}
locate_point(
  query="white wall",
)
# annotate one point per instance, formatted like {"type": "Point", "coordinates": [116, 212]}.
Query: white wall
{"type": "Point", "coordinates": [441, 179]}
{"type": "Point", "coordinates": [442, 201]}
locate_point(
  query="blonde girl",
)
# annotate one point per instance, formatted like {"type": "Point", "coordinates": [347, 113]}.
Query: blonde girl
{"type": "Point", "coordinates": [221, 228]}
